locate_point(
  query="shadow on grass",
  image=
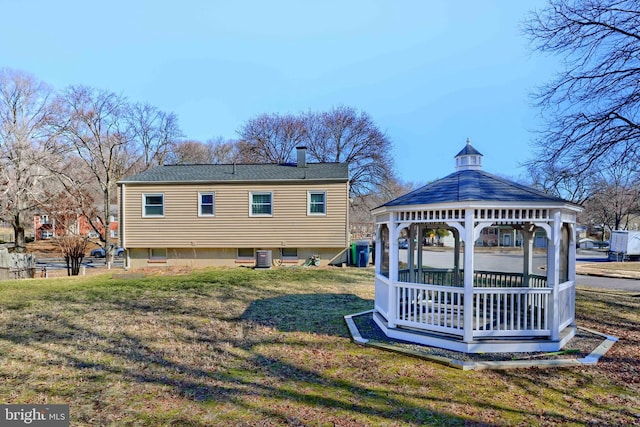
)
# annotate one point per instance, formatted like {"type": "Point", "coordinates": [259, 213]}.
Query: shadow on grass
{"type": "Point", "coordinates": [310, 313]}
{"type": "Point", "coordinates": [235, 372]}
{"type": "Point", "coordinates": [198, 347]}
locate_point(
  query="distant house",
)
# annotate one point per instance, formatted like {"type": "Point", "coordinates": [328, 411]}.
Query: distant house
{"type": "Point", "coordinates": [46, 227]}
{"type": "Point", "coordinates": [225, 215]}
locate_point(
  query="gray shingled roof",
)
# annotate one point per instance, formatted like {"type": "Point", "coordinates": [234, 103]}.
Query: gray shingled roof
{"type": "Point", "coordinates": [241, 172]}
{"type": "Point", "coordinates": [473, 185]}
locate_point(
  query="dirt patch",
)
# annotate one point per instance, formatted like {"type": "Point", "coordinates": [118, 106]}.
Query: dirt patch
{"type": "Point", "coordinates": [622, 270]}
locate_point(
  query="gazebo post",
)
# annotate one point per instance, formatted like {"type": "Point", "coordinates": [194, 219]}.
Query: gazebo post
{"type": "Point", "coordinates": [421, 232]}
{"type": "Point", "coordinates": [411, 253]}
{"type": "Point", "coordinates": [379, 249]}
{"type": "Point", "coordinates": [527, 245]}
{"type": "Point", "coordinates": [394, 234]}
{"type": "Point", "coordinates": [468, 275]}
{"type": "Point", "coordinates": [456, 256]}
{"type": "Point", "coordinates": [553, 272]}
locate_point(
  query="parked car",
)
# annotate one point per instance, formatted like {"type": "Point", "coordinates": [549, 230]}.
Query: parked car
{"type": "Point", "coordinates": [99, 252]}
{"type": "Point", "coordinates": [403, 243]}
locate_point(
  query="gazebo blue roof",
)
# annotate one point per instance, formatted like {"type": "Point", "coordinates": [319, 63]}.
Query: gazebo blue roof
{"type": "Point", "coordinates": [470, 184]}
{"type": "Point", "coordinates": [473, 185]}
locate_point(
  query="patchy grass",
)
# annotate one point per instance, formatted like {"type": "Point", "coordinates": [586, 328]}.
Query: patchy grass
{"type": "Point", "coordinates": [616, 266]}
{"type": "Point", "coordinates": [246, 347]}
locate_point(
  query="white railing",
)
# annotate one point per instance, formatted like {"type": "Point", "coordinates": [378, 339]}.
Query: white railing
{"type": "Point", "coordinates": [481, 279]}
{"type": "Point", "coordinates": [430, 307]}
{"type": "Point", "coordinates": [566, 303]}
{"type": "Point", "coordinates": [511, 312]}
{"type": "Point", "coordinates": [502, 306]}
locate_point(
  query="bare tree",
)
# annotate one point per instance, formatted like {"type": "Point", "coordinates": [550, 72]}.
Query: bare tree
{"type": "Point", "coordinates": [615, 196]}
{"type": "Point", "coordinates": [155, 132]}
{"type": "Point", "coordinates": [96, 129]}
{"type": "Point", "coordinates": [559, 182]}
{"type": "Point", "coordinates": [190, 153]}
{"type": "Point", "coordinates": [73, 249]}
{"type": "Point", "coordinates": [346, 135]}
{"type": "Point", "coordinates": [360, 217]}
{"type": "Point", "coordinates": [270, 138]}
{"type": "Point", "coordinates": [73, 196]}
{"type": "Point", "coordinates": [25, 141]}
{"type": "Point", "coordinates": [224, 151]}
{"type": "Point", "coordinates": [342, 135]}
{"type": "Point", "coordinates": [592, 108]}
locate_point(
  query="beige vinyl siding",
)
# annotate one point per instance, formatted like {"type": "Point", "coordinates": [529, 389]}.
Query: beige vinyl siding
{"type": "Point", "coordinates": [232, 227]}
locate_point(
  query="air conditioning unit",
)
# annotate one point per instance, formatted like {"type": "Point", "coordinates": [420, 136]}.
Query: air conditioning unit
{"type": "Point", "coordinates": [263, 259]}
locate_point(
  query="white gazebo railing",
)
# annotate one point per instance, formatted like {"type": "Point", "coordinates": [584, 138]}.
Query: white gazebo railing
{"type": "Point", "coordinates": [502, 306]}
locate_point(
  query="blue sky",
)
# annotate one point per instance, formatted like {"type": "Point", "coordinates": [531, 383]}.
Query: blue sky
{"type": "Point", "coordinates": [429, 73]}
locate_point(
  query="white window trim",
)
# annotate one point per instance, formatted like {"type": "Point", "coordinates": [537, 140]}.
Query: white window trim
{"type": "Point", "coordinates": [309, 193]}
{"type": "Point", "coordinates": [144, 205]}
{"type": "Point", "coordinates": [202, 193]}
{"type": "Point", "coordinates": [251, 194]}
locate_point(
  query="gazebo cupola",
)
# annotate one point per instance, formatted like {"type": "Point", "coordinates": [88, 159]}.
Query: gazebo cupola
{"type": "Point", "coordinates": [468, 158]}
{"type": "Point", "coordinates": [451, 289]}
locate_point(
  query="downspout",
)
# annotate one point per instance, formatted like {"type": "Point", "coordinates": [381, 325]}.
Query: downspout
{"type": "Point", "coordinates": [121, 225]}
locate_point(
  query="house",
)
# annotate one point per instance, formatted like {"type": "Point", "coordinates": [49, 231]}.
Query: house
{"type": "Point", "coordinates": [48, 226]}
{"type": "Point", "coordinates": [225, 215]}
{"type": "Point", "coordinates": [508, 236]}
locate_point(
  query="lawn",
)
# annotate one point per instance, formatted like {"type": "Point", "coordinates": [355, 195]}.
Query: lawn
{"type": "Point", "coordinates": [267, 348]}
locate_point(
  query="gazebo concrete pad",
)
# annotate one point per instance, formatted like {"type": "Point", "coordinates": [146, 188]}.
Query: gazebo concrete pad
{"type": "Point", "coordinates": [596, 345]}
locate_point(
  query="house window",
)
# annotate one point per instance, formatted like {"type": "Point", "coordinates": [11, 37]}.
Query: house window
{"type": "Point", "coordinates": [206, 204]}
{"type": "Point", "coordinates": [261, 204]}
{"type": "Point", "coordinates": [317, 203]}
{"type": "Point", "coordinates": [44, 219]}
{"type": "Point", "coordinates": [245, 254]}
{"type": "Point", "coordinates": [153, 204]}
{"type": "Point", "coordinates": [158, 254]}
{"type": "Point", "coordinates": [113, 234]}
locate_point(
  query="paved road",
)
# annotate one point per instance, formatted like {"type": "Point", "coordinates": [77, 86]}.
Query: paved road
{"type": "Point", "coordinates": [602, 282]}
{"type": "Point", "coordinates": [512, 262]}
{"type": "Point", "coordinates": [608, 283]}
{"type": "Point", "coordinates": [59, 263]}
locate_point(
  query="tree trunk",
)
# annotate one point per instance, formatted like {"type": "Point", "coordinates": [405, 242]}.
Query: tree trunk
{"type": "Point", "coordinates": [108, 250]}
{"type": "Point", "coordinates": [18, 233]}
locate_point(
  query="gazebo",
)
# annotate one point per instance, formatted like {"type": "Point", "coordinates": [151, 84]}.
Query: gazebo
{"type": "Point", "coordinates": [455, 297]}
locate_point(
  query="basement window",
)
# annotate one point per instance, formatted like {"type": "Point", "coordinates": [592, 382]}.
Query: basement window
{"type": "Point", "coordinates": [157, 254]}
{"type": "Point", "coordinates": [245, 254]}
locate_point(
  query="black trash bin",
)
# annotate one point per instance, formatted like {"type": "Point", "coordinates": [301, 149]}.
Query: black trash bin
{"type": "Point", "coordinates": [362, 253]}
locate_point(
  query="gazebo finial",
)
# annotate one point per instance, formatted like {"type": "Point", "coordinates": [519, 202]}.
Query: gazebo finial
{"type": "Point", "coordinates": [468, 141]}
